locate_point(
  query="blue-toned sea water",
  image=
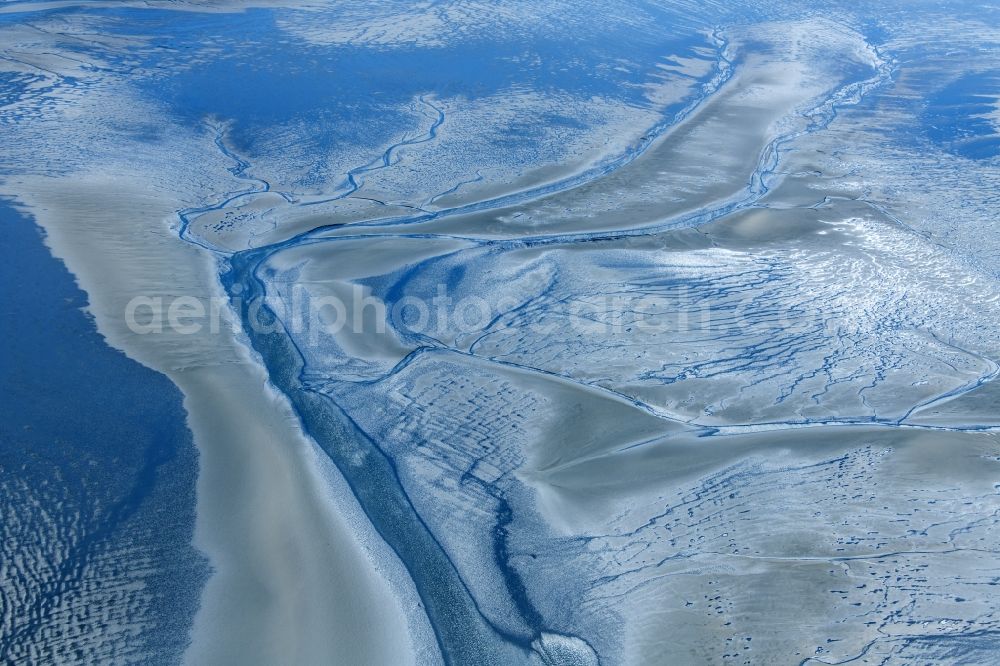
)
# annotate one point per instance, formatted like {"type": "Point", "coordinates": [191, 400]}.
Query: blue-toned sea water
{"type": "Point", "coordinates": [97, 470]}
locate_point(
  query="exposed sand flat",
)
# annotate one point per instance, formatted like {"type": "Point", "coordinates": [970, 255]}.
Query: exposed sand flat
{"type": "Point", "coordinates": [720, 409]}
{"type": "Point", "coordinates": [290, 567]}
{"type": "Point", "coordinates": [295, 580]}
{"type": "Point", "coordinates": [397, 188]}
{"type": "Point", "coordinates": [795, 510]}
{"type": "Point", "coordinates": [713, 159]}
{"type": "Point", "coordinates": [782, 537]}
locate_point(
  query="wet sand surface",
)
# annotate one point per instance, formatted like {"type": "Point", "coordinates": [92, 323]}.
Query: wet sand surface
{"type": "Point", "coordinates": [719, 396]}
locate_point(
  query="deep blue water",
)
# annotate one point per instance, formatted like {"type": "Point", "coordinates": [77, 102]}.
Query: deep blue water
{"type": "Point", "coordinates": [98, 446]}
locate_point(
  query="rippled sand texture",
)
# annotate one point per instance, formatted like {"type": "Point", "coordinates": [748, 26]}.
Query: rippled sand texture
{"type": "Point", "coordinates": [755, 466]}
{"type": "Point", "coordinates": [733, 399]}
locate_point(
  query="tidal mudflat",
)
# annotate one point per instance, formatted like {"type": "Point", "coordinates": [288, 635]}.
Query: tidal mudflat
{"type": "Point", "coordinates": [541, 333]}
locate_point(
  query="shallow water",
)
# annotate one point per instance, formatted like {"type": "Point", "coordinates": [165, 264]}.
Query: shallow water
{"type": "Point", "coordinates": [660, 336]}
{"type": "Point", "coordinates": [97, 470]}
